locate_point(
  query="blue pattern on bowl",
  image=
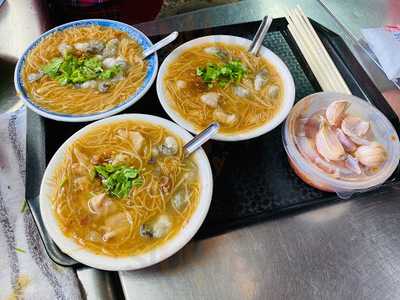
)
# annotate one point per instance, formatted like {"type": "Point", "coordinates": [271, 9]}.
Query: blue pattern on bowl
{"type": "Point", "coordinates": [138, 36]}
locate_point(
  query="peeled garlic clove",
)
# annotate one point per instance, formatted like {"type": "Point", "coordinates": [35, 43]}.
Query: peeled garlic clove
{"type": "Point", "coordinates": [328, 144]}
{"type": "Point", "coordinates": [325, 166]}
{"type": "Point", "coordinates": [335, 112]}
{"type": "Point", "coordinates": [347, 143]}
{"type": "Point", "coordinates": [372, 155]}
{"type": "Point", "coordinates": [352, 164]}
{"type": "Point", "coordinates": [359, 140]}
{"type": "Point", "coordinates": [355, 128]}
{"type": "Point", "coordinates": [311, 126]}
{"type": "Point", "coordinates": [307, 149]}
{"type": "Point", "coordinates": [355, 125]}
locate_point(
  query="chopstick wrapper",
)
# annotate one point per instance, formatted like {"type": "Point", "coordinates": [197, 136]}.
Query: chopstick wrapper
{"type": "Point", "coordinates": [26, 272]}
{"type": "Point", "coordinates": [385, 43]}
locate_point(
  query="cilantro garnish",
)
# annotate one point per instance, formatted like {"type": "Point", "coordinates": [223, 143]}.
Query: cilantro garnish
{"type": "Point", "coordinates": [118, 180]}
{"type": "Point", "coordinates": [53, 67]}
{"type": "Point", "coordinates": [233, 71]}
{"type": "Point", "coordinates": [110, 73]}
{"type": "Point", "coordinates": [71, 69]}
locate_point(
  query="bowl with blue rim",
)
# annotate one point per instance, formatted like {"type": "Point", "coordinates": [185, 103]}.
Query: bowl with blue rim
{"type": "Point", "coordinates": [135, 34]}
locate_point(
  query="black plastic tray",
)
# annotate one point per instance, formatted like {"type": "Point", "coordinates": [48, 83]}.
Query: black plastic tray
{"type": "Point", "coordinates": [252, 179]}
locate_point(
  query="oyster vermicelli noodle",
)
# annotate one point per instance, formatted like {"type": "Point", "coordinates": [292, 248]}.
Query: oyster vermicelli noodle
{"type": "Point", "coordinates": [49, 94]}
{"type": "Point", "coordinates": [240, 106]}
{"type": "Point", "coordinates": [150, 213]}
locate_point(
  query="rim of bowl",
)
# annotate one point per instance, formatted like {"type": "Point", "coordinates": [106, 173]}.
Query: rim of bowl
{"type": "Point", "coordinates": [271, 57]}
{"type": "Point", "coordinates": [314, 172]}
{"type": "Point", "coordinates": [132, 99]}
{"type": "Point", "coordinates": [134, 262]}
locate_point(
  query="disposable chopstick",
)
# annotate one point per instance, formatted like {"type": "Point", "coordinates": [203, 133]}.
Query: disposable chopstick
{"type": "Point", "coordinates": [325, 76]}
{"type": "Point", "coordinates": [312, 60]}
{"type": "Point", "coordinates": [315, 53]}
{"type": "Point", "coordinates": [340, 79]}
{"type": "Point", "coordinates": [308, 56]}
{"type": "Point", "coordinates": [309, 53]}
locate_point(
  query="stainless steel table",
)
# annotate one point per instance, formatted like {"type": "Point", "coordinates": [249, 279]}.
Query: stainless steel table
{"type": "Point", "coordinates": [343, 251]}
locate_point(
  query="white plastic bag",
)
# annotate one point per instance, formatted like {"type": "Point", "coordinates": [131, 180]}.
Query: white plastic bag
{"type": "Point", "coordinates": [385, 43]}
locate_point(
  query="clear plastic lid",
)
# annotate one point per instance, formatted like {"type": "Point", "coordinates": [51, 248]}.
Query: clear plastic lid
{"type": "Point", "coordinates": [382, 130]}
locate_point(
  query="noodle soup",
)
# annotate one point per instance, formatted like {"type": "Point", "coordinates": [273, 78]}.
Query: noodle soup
{"type": "Point", "coordinates": [124, 189]}
{"type": "Point", "coordinates": [83, 70]}
{"type": "Point", "coordinates": [223, 82]}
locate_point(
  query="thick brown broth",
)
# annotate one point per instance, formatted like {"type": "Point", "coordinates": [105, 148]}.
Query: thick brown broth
{"type": "Point", "coordinates": [114, 226]}
{"type": "Point", "coordinates": [248, 112]}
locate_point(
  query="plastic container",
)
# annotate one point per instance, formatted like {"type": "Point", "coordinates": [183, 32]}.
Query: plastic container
{"type": "Point", "coordinates": [382, 129]}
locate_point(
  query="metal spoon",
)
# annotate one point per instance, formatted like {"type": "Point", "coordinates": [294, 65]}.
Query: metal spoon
{"type": "Point", "coordinates": [260, 34]}
{"type": "Point", "coordinates": [165, 41]}
{"type": "Point", "coordinates": [200, 139]}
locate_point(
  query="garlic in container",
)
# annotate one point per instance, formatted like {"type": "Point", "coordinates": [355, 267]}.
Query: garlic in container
{"type": "Point", "coordinates": [356, 129]}
{"type": "Point", "coordinates": [347, 143]}
{"type": "Point", "coordinates": [328, 145]}
{"type": "Point", "coordinates": [335, 112]}
{"type": "Point", "coordinates": [372, 155]}
{"type": "Point", "coordinates": [338, 143]}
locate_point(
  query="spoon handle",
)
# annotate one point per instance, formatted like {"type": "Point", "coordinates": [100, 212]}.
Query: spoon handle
{"type": "Point", "coordinates": [165, 41]}
{"type": "Point", "coordinates": [200, 139]}
{"type": "Point", "coordinates": [260, 34]}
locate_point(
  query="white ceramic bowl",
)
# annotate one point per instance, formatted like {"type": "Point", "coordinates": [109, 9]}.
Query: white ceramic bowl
{"type": "Point", "coordinates": [281, 68]}
{"type": "Point", "coordinates": [133, 33]}
{"type": "Point", "coordinates": [70, 247]}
